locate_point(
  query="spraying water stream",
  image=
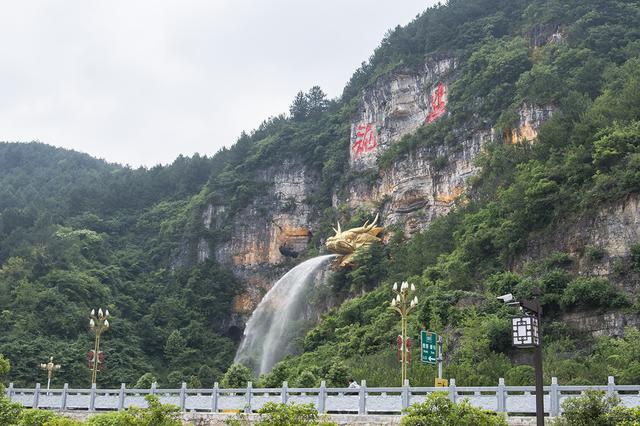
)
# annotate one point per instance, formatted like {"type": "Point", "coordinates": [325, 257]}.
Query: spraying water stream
{"type": "Point", "coordinates": [273, 325]}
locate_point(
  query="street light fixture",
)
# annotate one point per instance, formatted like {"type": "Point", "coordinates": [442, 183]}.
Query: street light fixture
{"type": "Point", "coordinates": [98, 324]}
{"type": "Point", "coordinates": [51, 368]}
{"type": "Point", "coordinates": [526, 334]}
{"type": "Point", "coordinates": [404, 304]}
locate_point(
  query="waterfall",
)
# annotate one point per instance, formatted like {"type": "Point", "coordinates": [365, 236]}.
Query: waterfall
{"type": "Point", "coordinates": [270, 331]}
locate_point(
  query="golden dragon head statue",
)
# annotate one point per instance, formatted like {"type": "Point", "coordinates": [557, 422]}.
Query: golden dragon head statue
{"type": "Point", "coordinates": [346, 243]}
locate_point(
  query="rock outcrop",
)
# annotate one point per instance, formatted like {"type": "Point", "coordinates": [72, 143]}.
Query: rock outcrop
{"type": "Point", "coordinates": [599, 244]}
{"type": "Point", "coordinates": [396, 105]}
{"type": "Point", "coordinates": [421, 186]}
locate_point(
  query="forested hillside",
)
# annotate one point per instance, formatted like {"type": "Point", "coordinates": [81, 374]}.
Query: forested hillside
{"type": "Point", "coordinates": [77, 233]}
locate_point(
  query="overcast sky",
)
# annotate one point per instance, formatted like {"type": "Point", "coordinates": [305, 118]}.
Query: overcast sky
{"type": "Point", "coordinates": [141, 81]}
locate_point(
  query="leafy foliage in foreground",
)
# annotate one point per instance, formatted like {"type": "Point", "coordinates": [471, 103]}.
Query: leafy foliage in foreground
{"type": "Point", "coordinates": [276, 414]}
{"type": "Point", "coordinates": [156, 414]}
{"type": "Point", "coordinates": [594, 408]}
{"type": "Point", "coordinates": [438, 410]}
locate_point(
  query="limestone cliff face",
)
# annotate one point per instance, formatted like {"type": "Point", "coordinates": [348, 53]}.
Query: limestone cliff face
{"type": "Point", "coordinates": [275, 227]}
{"type": "Point", "coordinates": [600, 246]}
{"type": "Point", "coordinates": [421, 186]}
{"type": "Point", "coordinates": [266, 236]}
{"type": "Point", "coordinates": [530, 118]}
{"type": "Point", "coordinates": [397, 104]}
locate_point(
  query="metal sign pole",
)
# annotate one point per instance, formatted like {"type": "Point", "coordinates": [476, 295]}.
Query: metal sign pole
{"type": "Point", "coordinates": [440, 357]}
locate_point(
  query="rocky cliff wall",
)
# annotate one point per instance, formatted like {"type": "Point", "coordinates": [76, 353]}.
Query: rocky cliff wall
{"type": "Point", "coordinates": [397, 104]}
{"type": "Point", "coordinates": [420, 186]}
{"type": "Point", "coordinates": [267, 236]}
{"type": "Point", "coordinates": [599, 245]}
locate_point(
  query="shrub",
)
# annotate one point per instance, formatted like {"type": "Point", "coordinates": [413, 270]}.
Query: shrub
{"type": "Point", "coordinates": [145, 381]}
{"type": "Point", "coordinates": [521, 375]}
{"type": "Point", "coordinates": [156, 414]}
{"type": "Point", "coordinates": [9, 411]}
{"type": "Point", "coordinates": [272, 414]}
{"type": "Point", "coordinates": [594, 408]}
{"type": "Point", "coordinates": [635, 257]}
{"type": "Point", "coordinates": [438, 410]}
{"type": "Point", "coordinates": [307, 379]}
{"type": "Point", "coordinates": [35, 417]}
{"type": "Point", "coordinates": [592, 293]}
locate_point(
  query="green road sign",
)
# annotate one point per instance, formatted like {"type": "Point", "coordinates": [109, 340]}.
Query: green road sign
{"type": "Point", "coordinates": [428, 347]}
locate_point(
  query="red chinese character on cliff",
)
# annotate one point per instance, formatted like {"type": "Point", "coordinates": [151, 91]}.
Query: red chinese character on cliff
{"type": "Point", "coordinates": [366, 140]}
{"type": "Point", "coordinates": [438, 103]}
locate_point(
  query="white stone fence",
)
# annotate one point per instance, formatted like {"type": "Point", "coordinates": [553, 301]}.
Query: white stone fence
{"type": "Point", "coordinates": [513, 400]}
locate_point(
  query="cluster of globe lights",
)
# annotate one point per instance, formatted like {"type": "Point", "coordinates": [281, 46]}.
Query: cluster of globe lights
{"type": "Point", "coordinates": [404, 288]}
{"type": "Point", "coordinates": [102, 317]}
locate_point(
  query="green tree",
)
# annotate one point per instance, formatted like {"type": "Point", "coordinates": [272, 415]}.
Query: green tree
{"type": "Point", "coordinates": [299, 108]}
{"type": "Point", "coordinates": [236, 376]}
{"type": "Point", "coordinates": [145, 381]}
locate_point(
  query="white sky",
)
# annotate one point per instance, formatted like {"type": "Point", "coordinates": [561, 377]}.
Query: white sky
{"type": "Point", "coordinates": [141, 81]}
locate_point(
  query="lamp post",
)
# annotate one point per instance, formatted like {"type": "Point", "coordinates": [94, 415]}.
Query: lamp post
{"type": "Point", "coordinates": [98, 324]}
{"type": "Point", "coordinates": [51, 368]}
{"type": "Point", "coordinates": [526, 334]}
{"type": "Point", "coordinates": [403, 304]}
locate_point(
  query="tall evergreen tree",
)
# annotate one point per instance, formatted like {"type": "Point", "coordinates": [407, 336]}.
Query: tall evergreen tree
{"type": "Point", "coordinates": [299, 109]}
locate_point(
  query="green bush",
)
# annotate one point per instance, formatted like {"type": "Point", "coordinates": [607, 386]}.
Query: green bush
{"type": "Point", "coordinates": [592, 293]}
{"type": "Point", "coordinates": [156, 414]}
{"type": "Point", "coordinates": [272, 414]}
{"type": "Point", "coordinates": [594, 408]}
{"type": "Point", "coordinates": [9, 412]}
{"type": "Point", "coordinates": [521, 375]}
{"type": "Point", "coordinates": [44, 418]}
{"type": "Point", "coordinates": [438, 410]}
{"type": "Point", "coordinates": [35, 417]}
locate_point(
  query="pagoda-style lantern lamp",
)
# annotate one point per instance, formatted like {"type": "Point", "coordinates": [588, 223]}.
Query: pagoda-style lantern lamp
{"type": "Point", "coordinates": [525, 331]}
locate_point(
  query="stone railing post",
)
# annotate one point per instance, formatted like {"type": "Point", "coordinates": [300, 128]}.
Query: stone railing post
{"type": "Point", "coordinates": [501, 396]}
{"type": "Point", "coordinates": [362, 406]}
{"type": "Point", "coordinates": [154, 387]}
{"type": "Point", "coordinates": [121, 396]}
{"type": "Point", "coordinates": [92, 397]}
{"type": "Point", "coordinates": [10, 391]}
{"type": "Point", "coordinates": [183, 396]}
{"type": "Point", "coordinates": [63, 398]}
{"type": "Point", "coordinates": [247, 406]}
{"type": "Point", "coordinates": [36, 396]}
{"type": "Point", "coordinates": [214, 398]}
{"type": "Point", "coordinates": [405, 394]}
{"type": "Point", "coordinates": [453, 393]}
{"type": "Point", "coordinates": [611, 386]}
{"type": "Point", "coordinates": [322, 397]}
{"type": "Point", "coordinates": [554, 398]}
{"type": "Point", "coordinates": [284, 392]}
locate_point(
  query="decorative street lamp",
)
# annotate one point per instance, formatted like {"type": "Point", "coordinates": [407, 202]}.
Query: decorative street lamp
{"type": "Point", "coordinates": [403, 304]}
{"type": "Point", "coordinates": [51, 368]}
{"type": "Point", "coordinates": [526, 334]}
{"type": "Point", "coordinates": [98, 324]}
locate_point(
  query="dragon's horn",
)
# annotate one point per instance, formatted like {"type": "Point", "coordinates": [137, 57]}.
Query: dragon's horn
{"type": "Point", "coordinates": [339, 230]}
{"type": "Point", "coordinates": [368, 227]}
{"type": "Point", "coordinates": [335, 230]}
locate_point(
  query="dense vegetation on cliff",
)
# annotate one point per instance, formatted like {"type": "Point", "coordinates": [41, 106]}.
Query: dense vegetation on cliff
{"type": "Point", "coordinates": [77, 233]}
